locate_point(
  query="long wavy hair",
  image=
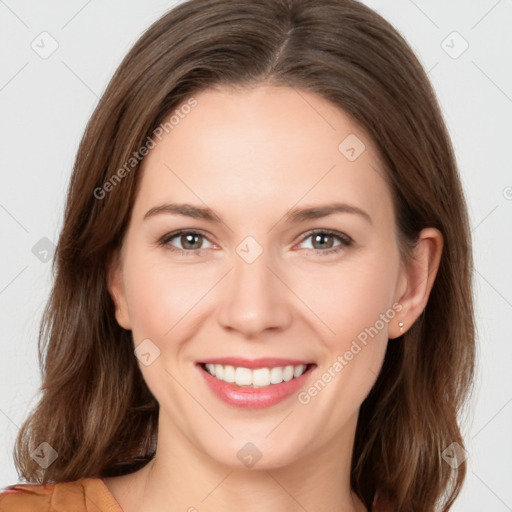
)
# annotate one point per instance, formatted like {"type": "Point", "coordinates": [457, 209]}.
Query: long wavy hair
{"type": "Point", "coordinates": [95, 409]}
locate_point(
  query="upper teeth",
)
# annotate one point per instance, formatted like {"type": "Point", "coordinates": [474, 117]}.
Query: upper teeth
{"type": "Point", "coordinates": [255, 378]}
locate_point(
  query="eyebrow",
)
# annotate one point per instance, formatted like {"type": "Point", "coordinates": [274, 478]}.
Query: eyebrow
{"type": "Point", "coordinates": [315, 212]}
{"type": "Point", "coordinates": [294, 216]}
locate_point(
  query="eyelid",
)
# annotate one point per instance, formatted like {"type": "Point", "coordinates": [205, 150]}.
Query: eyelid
{"type": "Point", "coordinates": [342, 236]}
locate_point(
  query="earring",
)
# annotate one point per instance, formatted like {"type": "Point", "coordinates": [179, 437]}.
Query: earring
{"type": "Point", "coordinates": [401, 325]}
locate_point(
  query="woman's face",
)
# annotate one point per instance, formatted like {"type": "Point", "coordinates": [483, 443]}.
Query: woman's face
{"type": "Point", "coordinates": [255, 285]}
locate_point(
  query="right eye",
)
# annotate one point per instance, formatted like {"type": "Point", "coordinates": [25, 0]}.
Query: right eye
{"type": "Point", "coordinates": [189, 240]}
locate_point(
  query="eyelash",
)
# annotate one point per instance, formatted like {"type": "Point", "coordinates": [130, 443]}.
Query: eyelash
{"type": "Point", "coordinates": [345, 241]}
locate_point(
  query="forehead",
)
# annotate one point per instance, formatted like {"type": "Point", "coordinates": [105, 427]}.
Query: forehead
{"type": "Point", "coordinates": [252, 149]}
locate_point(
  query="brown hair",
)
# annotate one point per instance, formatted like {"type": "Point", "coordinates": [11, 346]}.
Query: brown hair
{"type": "Point", "coordinates": [96, 410]}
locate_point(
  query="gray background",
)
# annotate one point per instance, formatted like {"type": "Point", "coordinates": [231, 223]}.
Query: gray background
{"type": "Point", "coordinates": [46, 102]}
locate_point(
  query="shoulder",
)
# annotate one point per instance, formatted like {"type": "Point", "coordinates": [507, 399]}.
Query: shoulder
{"type": "Point", "coordinates": [85, 494]}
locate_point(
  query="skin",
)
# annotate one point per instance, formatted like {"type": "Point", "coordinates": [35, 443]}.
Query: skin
{"type": "Point", "coordinates": [252, 155]}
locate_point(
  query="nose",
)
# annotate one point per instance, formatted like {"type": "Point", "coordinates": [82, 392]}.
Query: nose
{"type": "Point", "coordinates": [255, 298]}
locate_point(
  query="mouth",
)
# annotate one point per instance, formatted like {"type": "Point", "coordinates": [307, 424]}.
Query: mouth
{"type": "Point", "coordinates": [257, 383]}
{"type": "Point", "coordinates": [255, 378]}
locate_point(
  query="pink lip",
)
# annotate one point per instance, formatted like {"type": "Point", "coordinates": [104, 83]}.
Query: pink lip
{"type": "Point", "coordinates": [254, 398]}
{"type": "Point", "coordinates": [253, 364]}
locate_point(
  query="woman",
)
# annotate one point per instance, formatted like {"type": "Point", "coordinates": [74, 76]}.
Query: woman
{"type": "Point", "coordinates": [263, 281]}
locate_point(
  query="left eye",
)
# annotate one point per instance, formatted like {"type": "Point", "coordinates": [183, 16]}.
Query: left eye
{"type": "Point", "coordinates": [322, 241]}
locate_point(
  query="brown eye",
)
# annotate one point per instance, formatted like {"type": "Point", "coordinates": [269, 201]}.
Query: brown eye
{"type": "Point", "coordinates": [191, 241]}
{"type": "Point", "coordinates": [184, 242]}
{"type": "Point", "coordinates": [324, 242]}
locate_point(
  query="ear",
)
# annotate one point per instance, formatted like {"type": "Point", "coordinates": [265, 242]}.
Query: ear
{"type": "Point", "coordinates": [416, 280]}
{"type": "Point", "coordinates": [117, 292]}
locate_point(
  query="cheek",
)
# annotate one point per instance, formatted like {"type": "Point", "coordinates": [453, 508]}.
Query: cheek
{"type": "Point", "coordinates": [351, 297]}
{"type": "Point", "coordinates": [357, 306]}
{"type": "Point", "coordinates": [159, 297]}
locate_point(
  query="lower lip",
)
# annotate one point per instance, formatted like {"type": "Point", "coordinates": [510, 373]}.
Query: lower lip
{"type": "Point", "coordinates": [254, 398]}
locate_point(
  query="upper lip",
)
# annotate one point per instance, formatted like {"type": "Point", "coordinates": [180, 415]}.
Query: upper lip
{"type": "Point", "coordinates": [264, 362]}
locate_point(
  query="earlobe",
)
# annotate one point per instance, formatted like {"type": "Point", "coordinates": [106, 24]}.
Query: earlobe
{"type": "Point", "coordinates": [117, 293]}
{"type": "Point", "coordinates": [420, 273]}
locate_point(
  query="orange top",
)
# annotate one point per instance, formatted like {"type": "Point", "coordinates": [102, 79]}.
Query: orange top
{"type": "Point", "coordinates": [83, 495]}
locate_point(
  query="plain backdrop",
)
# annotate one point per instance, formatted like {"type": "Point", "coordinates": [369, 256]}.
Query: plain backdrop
{"type": "Point", "coordinates": [46, 100]}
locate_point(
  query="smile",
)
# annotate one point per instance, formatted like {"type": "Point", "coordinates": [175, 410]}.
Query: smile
{"type": "Point", "coordinates": [261, 377]}
{"type": "Point", "coordinates": [255, 384]}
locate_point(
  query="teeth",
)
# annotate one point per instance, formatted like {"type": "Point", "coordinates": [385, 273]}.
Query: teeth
{"type": "Point", "coordinates": [229, 374]}
{"type": "Point", "coordinates": [243, 377]}
{"type": "Point", "coordinates": [261, 377]}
